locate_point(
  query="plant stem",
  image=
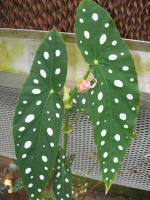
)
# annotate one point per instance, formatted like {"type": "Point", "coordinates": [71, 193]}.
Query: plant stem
{"type": "Point", "coordinates": [91, 189]}
{"type": "Point", "coordinates": [66, 127]}
{"type": "Point", "coordinates": [76, 117]}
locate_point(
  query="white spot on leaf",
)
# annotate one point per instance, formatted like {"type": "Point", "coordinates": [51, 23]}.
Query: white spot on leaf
{"type": "Point", "coordinates": [125, 68]}
{"type": "Point", "coordinates": [27, 171]}
{"type": "Point", "coordinates": [133, 108]}
{"type": "Point", "coordinates": [105, 155]}
{"type": "Point", "coordinates": [98, 123]}
{"type": "Point", "coordinates": [86, 52]}
{"type": "Point", "coordinates": [25, 102]}
{"type": "Point", "coordinates": [118, 83]}
{"type": "Point", "coordinates": [58, 174]}
{"type": "Point", "coordinates": [110, 71]}
{"type": "Point", "coordinates": [123, 116]}
{"type": "Point", "coordinates": [57, 71]}
{"type": "Point", "coordinates": [129, 96]}
{"type": "Point", "coordinates": [103, 39]}
{"type": "Point", "coordinates": [44, 159]}
{"type": "Point", "coordinates": [29, 118]}
{"type": "Point", "coordinates": [103, 132]}
{"type": "Point", "coordinates": [21, 128]}
{"type": "Point", "coordinates": [86, 34]}
{"type": "Point", "coordinates": [24, 156]}
{"type": "Point", "coordinates": [49, 131]}
{"type": "Point", "coordinates": [66, 180]}
{"type": "Point", "coordinates": [120, 147]}
{"type": "Point", "coordinates": [102, 143]}
{"type": "Point", "coordinates": [38, 102]}
{"type": "Point", "coordinates": [131, 79]}
{"type": "Point", "coordinates": [115, 160]}
{"type": "Point", "coordinates": [58, 105]}
{"type": "Point", "coordinates": [117, 137]}
{"type": "Point", "coordinates": [100, 96]}
{"type": "Point", "coordinates": [27, 144]}
{"type": "Point", "coordinates": [112, 57]}
{"type": "Point", "coordinates": [41, 177]}
{"type": "Point", "coordinates": [114, 42]}
{"type": "Point", "coordinates": [112, 170]}
{"type": "Point", "coordinates": [36, 91]}
{"type": "Point", "coordinates": [116, 100]}
{"type": "Point", "coordinates": [125, 126]}
{"type": "Point", "coordinates": [58, 186]}
{"type": "Point", "coordinates": [51, 144]}
{"type": "Point", "coordinates": [39, 190]}
{"type": "Point", "coordinates": [81, 20]}
{"type": "Point", "coordinates": [30, 185]}
{"type": "Point", "coordinates": [57, 115]}
{"type": "Point", "coordinates": [39, 62]}
{"type": "Point", "coordinates": [95, 16]}
{"type": "Point", "coordinates": [46, 55]}
{"type": "Point", "coordinates": [100, 109]}
{"type": "Point", "coordinates": [43, 73]}
{"type": "Point", "coordinates": [57, 52]}
{"type": "Point", "coordinates": [83, 101]}
{"type": "Point", "coordinates": [35, 81]}
{"type": "Point", "coordinates": [106, 25]}
{"type": "Point", "coordinates": [105, 170]}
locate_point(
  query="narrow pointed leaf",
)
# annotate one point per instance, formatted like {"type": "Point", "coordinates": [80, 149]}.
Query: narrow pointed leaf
{"type": "Point", "coordinates": [19, 186]}
{"type": "Point", "coordinates": [62, 179]}
{"type": "Point", "coordinates": [114, 102]}
{"type": "Point", "coordinates": [39, 115]}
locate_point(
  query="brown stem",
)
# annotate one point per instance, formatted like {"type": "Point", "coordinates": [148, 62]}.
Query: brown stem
{"type": "Point", "coordinates": [91, 189]}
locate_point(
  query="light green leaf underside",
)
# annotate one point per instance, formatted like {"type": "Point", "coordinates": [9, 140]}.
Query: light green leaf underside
{"type": "Point", "coordinates": [114, 101]}
{"type": "Point", "coordinates": [62, 178]}
{"type": "Point", "coordinates": [39, 115]}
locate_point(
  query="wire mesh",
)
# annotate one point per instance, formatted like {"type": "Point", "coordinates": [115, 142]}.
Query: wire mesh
{"type": "Point", "coordinates": [81, 142]}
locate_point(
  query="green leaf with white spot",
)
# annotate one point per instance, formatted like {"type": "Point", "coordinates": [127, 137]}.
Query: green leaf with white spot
{"type": "Point", "coordinates": [81, 103]}
{"type": "Point", "coordinates": [39, 114]}
{"type": "Point", "coordinates": [114, 102]}
{"type": "Point", "coordinates": [62, 178]}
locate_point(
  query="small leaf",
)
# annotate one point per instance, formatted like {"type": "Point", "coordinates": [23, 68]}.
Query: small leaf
{"type": "Point", "coordinates": [114, 102]}
{"type": "Point", "coordinates": [19, 186]}
{"type": "Point", "coordinates": [62, 179]}
{"type": "Point", "coordinates": [39, 114]}
{"type": "Point", "coordinates": [81, 103]}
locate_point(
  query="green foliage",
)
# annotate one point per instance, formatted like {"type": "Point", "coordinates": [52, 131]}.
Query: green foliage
{"type": "Point", "coordinates": [39, 115]}
{"type": "Point", "coordinates": [47, 196]}
{"type": "Point", "coordinates": [81, 103]}
{"type": "Point", "coordinates": [112, 105]}
{"type": "Point", "coordinates": [114, 102]}
{"type": "Point", "coordinates": [62, 178]}
{"type": "Point", "coordinates": [19, 186]}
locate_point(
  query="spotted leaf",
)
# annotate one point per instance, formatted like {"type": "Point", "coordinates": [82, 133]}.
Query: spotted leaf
{"type": "Point", "coordinates": [114, 102]}
{"type": "Point", "coordinates": [62, 178]}
{"type": "Point", "coordinates": [39, 115]}
{"type": "Point", "coordinates": [81, 103]}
